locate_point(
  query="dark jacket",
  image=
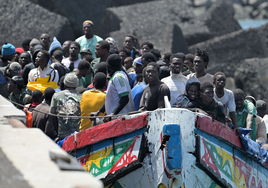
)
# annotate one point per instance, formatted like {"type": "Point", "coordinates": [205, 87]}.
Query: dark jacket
{"type": "Point", "coordinates": [47, 123]}
{"type": "Point", "coordinates": [215, 107]}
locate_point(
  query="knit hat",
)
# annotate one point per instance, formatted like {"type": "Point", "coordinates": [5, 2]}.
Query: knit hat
{"type": "Point", "coordinates": [114, 61]}
{"type": "Point", "coordinates": [8, 49]}
{"type": "Point", "coordinates": [34, 41]}
{"type": "Point", "coordinates": [138, 61]}
{"type": "Point", "coordinates": [18, 80]}
{"type": "Point", "coordinates": [110, 40]}
{"type": "Point", "coordinates": [55, 44]}
{"type": "Point", "coordinates": [19, 50]}
{"type": "Point", "coordinates": [71, 80]}
{"type": "Point", "coordinates": [15, 69]}
{"type": "Point", "coordinates": [261, 104]}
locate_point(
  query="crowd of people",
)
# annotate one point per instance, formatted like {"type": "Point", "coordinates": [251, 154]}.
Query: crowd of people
{"type": "Point", "coordinates": [94, 78]}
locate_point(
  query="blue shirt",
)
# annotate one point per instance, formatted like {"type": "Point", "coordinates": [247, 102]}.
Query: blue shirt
{"type": "Point", "coordinates": [137, 93]}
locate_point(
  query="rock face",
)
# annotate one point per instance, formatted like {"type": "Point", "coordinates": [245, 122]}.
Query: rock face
{"type": "Point", "coordinates": [140, 20]}
{"type": "Point", "coordinates": [79, 11]}
{"type": "Point", "coordinates": [251, 76]}
{"type": "Point", "coordinates": [158, 22]}
{"type": "Point", "coordinates": [219, 20]}
{"type": "Point", "coordinates": [227, 51]}
{"type": "Point", "coordinates": [22, 19]}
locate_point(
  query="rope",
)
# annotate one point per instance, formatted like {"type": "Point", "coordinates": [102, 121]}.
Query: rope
{"type": "Point", "coordinates": [73, 117]}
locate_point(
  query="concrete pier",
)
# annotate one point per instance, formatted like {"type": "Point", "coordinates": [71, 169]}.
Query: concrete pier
{"type": "Point", "coordinates": [24, 156]}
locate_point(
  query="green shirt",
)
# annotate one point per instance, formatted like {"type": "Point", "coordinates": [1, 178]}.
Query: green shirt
{"type": "Point", "coordinates": [241, 117]}
{"type": "Point", "coordinates": [19, 98]}
{"type": "Point", "coordinates": [67, 103]}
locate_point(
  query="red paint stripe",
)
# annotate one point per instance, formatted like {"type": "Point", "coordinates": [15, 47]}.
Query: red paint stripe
{"type": "Point", "coordinates": [104, 131]}
{"type": "Point", "coordinates": [218, 129]}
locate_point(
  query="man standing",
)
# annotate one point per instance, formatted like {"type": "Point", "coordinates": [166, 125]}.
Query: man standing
{"type": "Point", "coordinates": [43, 70]}
{"type": "Point", "coordinates": [18, 93]}
{"type": "Point", "coordinates": [225, 96]}
{"type": "Point", "coordinates": [129, 44]}
{"type": "Point", "coordinates": [89, 40]}
{"type": "Point", "coordinates": [101, 52]}
{"type": "Point", "coordinates": [73, 60]}
{"type": "Point", "coordinates": [201, 60]}
{"type": "Point", "coordinates": [7, 54]}
{"type": "Point", "coordinates": [153, 94]}
{"type": "Point", "coordinates": [92, 100]}
{"type": "Point", "coordinates": [118, 96]}
{"type": "Point", "coordinates": [245, 113]}
{"type": "Point", "coordinates": [176, 82]}
{"type": "Point", "coordinates": [45, 41]}
{"type": "Point", "coordinates": [6, 73]}
{"type": "Point", "coordinates": [67, 103]}
{"type": "Point", "coordinates": [47, 123]}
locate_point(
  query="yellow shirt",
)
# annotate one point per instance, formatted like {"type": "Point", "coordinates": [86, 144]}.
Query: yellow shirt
{"type": "Point", "coordinates": [91, 101]}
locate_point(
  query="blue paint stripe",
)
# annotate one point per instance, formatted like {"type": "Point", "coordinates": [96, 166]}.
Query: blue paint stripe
{"type": "Point", "coordinates": [95, 147]}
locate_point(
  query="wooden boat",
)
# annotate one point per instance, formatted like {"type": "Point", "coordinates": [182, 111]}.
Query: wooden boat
{"type": "Point", "coordinates": [166, 148]}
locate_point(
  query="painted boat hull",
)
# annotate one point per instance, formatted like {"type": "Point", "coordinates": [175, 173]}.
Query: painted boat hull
{"type": "Point", "coordinates": [166, 148]}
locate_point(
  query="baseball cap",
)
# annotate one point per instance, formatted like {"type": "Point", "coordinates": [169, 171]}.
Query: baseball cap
{"type": "Point", "coordinates": [138, 60]}
{"type": "Point", "coordinates": [86, 50]}
{"type": "Point", "coordinates": [260, 104]}
{"type": "Point", "coordinates": [15, 69]}
{"type": "Point", "coordinates": [18, 80]}
{"type": "Point", "coordinates": [110, 40]}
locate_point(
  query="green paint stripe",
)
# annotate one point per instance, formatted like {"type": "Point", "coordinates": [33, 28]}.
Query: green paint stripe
{"type": "Point", "coordinates": [119, 149]}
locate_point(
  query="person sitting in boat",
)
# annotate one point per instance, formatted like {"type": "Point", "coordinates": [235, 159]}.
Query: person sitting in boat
{"type": "Point", "coordinates": [225, 96]}
{"type": "Point", "coordinates": [153, 94]}
{"type": "Point", "coordinates": [191, 93]}
{"type": "Point", "coordinates": [245, 113]}
{"type": "Point", "coordinates": [260, 124]}
{"type": "Point", "coordinates": [208, 104]}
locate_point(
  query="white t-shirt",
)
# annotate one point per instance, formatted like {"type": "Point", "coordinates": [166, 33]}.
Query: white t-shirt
{"type": "Point", "coordinates": [67, 62]}
{"type": "Point", "coordinates": [39, 73]}
{"type": "Point", "coordinates": [118, 86]}
{"type": "Point", "coordinates": [176, 84]}
{"type": "Point", "coordinates": [227, 100]}
{"type": "Point", "coordinates": [206, 78]}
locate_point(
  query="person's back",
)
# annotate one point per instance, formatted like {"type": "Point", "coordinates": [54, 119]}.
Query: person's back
{"type": "Point", "coordinates": [92, 100]}
{"type": "Point", "coordinates": [67, 103]}
{"type": "Point", "coordinates": [41, 118]}
{"type": "Point", "coordinates": [36, 99]}
{"type": "Point", "coordinates": [56, 59]}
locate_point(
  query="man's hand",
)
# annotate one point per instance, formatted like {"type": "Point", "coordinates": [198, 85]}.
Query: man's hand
{"type": "Point", "coordinates": [94, 114]}
{"type": "Point", "coordinates": [107, 119]}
